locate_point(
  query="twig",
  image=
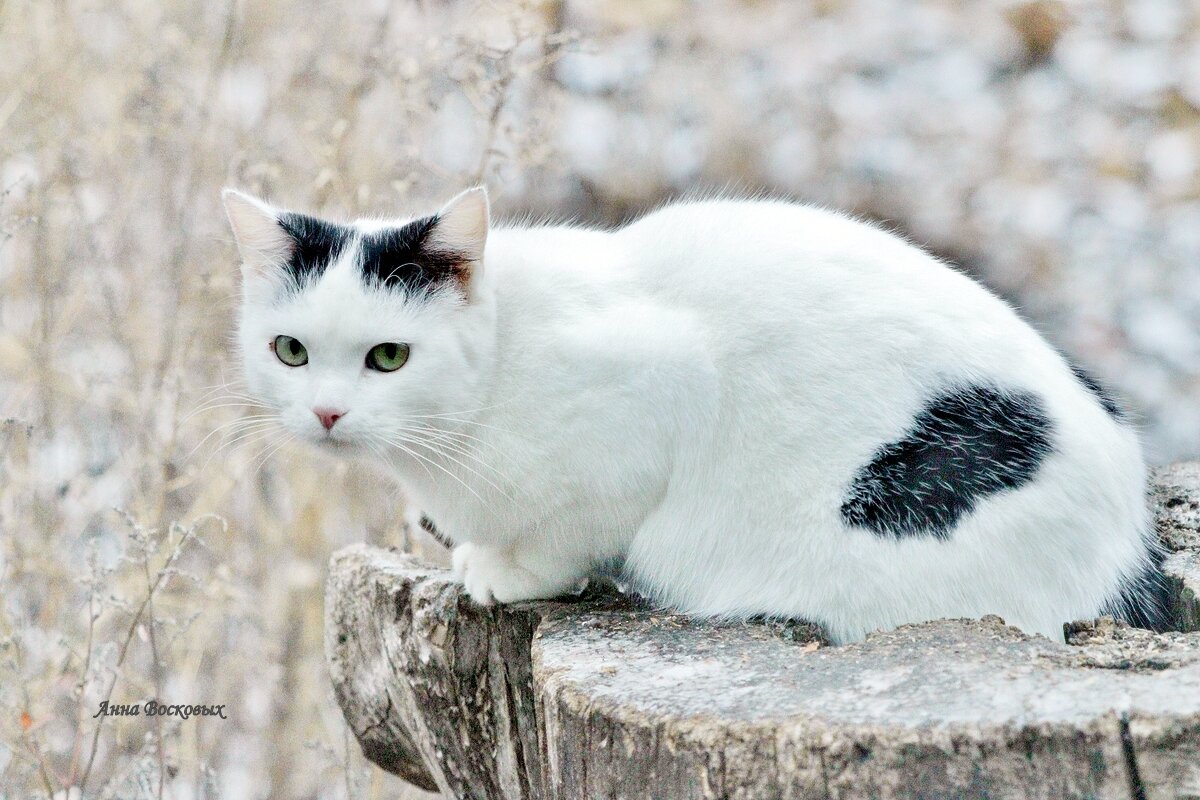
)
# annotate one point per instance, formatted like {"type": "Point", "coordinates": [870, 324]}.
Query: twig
{"type": "Point", "coordinates": [157, 670]}
{"type": "Point", "coordinates": [44, 769]}
{"type": "Point", "coordinates": [81, 685]}
{"type": "Point", "coordinates": [188, 533]}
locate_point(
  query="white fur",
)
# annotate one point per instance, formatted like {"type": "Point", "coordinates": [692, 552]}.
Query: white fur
{"type": "Point", "coordinates": [692, 394]}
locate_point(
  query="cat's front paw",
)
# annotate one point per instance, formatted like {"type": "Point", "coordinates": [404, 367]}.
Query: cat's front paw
{"type": "Point", "coordinates": [492, 576]}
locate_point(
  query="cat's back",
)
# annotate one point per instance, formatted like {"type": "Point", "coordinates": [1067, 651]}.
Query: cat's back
{"type": "Point", "coordinates": [804, 311]}
{"type": "Point", "coordinates": [727, 248]}
{"type": "Point", "coordinates": [768, 270]}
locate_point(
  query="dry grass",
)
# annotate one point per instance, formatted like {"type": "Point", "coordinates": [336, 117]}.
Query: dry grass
{"type": "Point", "coordinates": [141, 556]}
{"type": "Point", "coordinates": [143, 553]}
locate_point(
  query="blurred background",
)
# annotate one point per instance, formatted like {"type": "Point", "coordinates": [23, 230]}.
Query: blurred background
{"type": "Point", "coordinates": [1050, 148]}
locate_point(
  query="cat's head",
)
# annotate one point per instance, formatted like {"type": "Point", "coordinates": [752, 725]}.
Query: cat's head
{"type": "Point", "coordinates": [357, 334]}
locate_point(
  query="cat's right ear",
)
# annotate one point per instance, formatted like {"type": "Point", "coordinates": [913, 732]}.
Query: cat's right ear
{"type": "Point", "coordinates": [262, 242]}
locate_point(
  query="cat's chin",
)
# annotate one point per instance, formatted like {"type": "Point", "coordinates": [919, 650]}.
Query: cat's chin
{"type": "Point", "coordinates": [337, 447]}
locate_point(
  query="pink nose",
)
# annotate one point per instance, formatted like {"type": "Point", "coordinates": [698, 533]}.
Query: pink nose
{"type": "Point", "coordinates": [328, 417]}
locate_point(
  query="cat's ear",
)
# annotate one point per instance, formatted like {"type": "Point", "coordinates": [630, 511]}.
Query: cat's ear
{"type": "Point", "coordinates": [462, 228]}
{"type": "Point", "coordinates": [262, 242]}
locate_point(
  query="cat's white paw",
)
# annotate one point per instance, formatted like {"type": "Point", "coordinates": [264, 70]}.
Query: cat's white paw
{"type": "Point", "coordinates": [492, 576]}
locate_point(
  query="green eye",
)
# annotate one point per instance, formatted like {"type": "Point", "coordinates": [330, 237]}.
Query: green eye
{"type": "Point", "coordinates": [387, 357]}
{"type": "Point", "coordinates": [290, 351]}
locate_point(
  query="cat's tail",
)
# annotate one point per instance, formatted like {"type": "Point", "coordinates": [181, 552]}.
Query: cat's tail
{"type": "Point", "coordinates": [1146, 600]}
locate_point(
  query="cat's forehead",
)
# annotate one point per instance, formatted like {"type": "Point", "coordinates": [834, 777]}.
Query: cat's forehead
{"type": "Point", "coordinates": [400, 256]}
{"type": "Point", "coordinates": [348, 286]}
{"type": "Point", "coordinates": [339, 309]}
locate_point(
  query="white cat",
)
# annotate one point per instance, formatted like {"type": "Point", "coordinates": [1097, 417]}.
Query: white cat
{"type": "Point", "coordinates": [753, 407]}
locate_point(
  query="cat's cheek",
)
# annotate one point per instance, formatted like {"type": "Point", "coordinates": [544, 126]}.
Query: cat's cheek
{"type": "Point", "coordinates": [300, 422]}
{"type": "Point", "coordinates": [260, 372]}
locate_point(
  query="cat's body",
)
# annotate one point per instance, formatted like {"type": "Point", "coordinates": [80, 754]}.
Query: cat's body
{"type": "Point", "coordinates": [754, 407]}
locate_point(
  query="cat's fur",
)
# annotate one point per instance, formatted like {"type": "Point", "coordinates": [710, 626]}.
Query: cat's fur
{"type": "Point", "coordinates": [754, 407]}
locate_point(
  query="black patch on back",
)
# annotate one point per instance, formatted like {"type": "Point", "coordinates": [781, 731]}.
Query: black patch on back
{"type": "Point", "coordinates": [1147, 601]}
{"type": "Point", "coordinates": [404, 259]}
{"type": "Point", "coordinates": [1097, 389]}
{"type": "Point", "coordinates": [317, 244]}
{"type": "Point", "coordinates": [966, 444]}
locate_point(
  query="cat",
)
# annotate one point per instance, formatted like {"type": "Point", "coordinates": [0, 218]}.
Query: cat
{"type": "Point", "coordinates": [753, 407]}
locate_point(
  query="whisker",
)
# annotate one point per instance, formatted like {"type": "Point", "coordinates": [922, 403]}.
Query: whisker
{"type": "Point", "coordinates": [217, 404]}
{"type": "Point", "coordinates": [240, 422]}
{"type": "Point", "coordinates": [439, 452]}
{"type": "Point", "coordinates": [430, 446]}
{"type": "Point", "coordinates": [461, 448]}
{"type": "Point", "coordinates": [383, 441]}
{"type": "Point", "coordinates": [440, 436]}
{"type": "Point", "coordinates": [242, 438]}
{"type": "Point", "coordinates": [468, 411]}
{"type": "Point", "coordinates": [375, 448]}
{"type": "Point", "coordinates": [460, 435]}
{"type": "Point", "coordinates": [229, 386]}
{"type": "Point", "coordinates": [415, 454]}
{"type": "Point", "coordinates": [462, 422]}
{"type": "Point", "coordinates": [263, 461]}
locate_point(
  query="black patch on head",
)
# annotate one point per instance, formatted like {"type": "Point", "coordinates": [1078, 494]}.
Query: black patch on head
{"type": "Point", "coordinates": [405, 259]}
{"type": "Point", "coordinates": [1147, 601]}
{"type": "Point", "coordinates": [1099, 392]}
{"type": "Point", "coordinates": [966, 444]}
{"type": "Point", "coordinates": [317, 244]}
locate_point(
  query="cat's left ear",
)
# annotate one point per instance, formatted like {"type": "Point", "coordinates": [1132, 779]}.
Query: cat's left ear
{"type": "Point", "coordinates": [462, 229]}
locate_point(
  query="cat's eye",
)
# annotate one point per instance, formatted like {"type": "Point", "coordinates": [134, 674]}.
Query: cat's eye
{"type": "Point", "coordinates": [387, 357]}
{"type": "Point", "coordinates": [290, 351]}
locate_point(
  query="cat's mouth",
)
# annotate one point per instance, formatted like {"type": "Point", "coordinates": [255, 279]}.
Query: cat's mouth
{"type": "Point", "coordinates": [336, 445]}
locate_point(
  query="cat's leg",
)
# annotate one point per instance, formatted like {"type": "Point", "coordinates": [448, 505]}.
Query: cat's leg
{"type": "Point", "coordinates": [512, 574]}
{"type": "Point", "coordinates": [419, 524]}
